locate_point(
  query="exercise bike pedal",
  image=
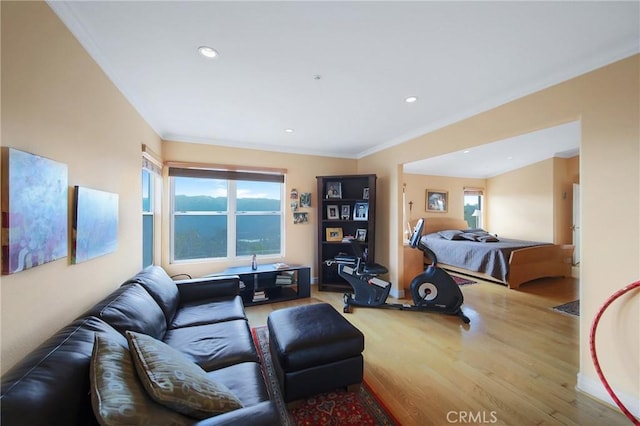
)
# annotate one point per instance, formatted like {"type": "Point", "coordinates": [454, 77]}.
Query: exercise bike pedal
{"type": "Point", "coordinates": [347, 303]}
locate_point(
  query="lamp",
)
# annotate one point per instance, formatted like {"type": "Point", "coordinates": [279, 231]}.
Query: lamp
{"type": "Point", "coordinates": [476, 213]}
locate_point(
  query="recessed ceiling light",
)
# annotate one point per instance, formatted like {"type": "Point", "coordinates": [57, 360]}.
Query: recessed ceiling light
{"type": "Point", "coordinates": [288, 130]}
{"type": "Point", "coordinates": [207, 52]}
{"type": "Point", "coordinates": [411, 99]}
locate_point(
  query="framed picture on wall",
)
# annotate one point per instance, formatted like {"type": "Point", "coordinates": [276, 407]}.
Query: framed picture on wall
{"type": "Point", "coordinates": [437, 201]}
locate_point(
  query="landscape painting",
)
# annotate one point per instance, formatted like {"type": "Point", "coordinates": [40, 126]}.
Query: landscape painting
{"type": "Point", "coordinates": [95, 224]}
{"type": "Point", "coordinates": [34, 210]}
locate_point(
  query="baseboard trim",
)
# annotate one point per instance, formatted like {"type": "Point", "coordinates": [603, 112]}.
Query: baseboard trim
{"type": "Point", "coordinates": [398, 293]}
{"type": "Point", "coordinates": [595, 389]}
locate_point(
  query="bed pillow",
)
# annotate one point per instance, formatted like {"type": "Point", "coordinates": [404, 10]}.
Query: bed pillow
{"type": "Point", "coordinates": [471, 236]}
{"type": "Point", "coordinates": [451, 234]}
{"type": "Point", "coordinates": [175, 381]}
{"type": "Point", "coordinates": [117, 396]}
{"type": "Point", "coordinates": [481, 236]}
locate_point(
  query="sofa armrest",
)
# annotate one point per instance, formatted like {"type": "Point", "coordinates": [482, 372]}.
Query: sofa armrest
{"type": "Point", "coordinates": [264, 413]}
{"type": "Point", "coordinates": [198, 289]}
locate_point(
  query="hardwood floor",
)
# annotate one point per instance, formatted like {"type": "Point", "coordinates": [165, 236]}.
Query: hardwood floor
{"type": "Point", "coordinates": [515, 364]}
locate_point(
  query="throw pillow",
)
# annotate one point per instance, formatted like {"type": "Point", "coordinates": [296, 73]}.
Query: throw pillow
{"type": "Point", "coordinates": [177, 382]}
{"type": "Point", "coordinates": [450, 234]}
{"type": "Point", "coordinates": [117, 396]}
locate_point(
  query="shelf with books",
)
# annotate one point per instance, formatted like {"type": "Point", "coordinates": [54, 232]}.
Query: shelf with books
{"type": "Point", "coordinates": [273, 282]}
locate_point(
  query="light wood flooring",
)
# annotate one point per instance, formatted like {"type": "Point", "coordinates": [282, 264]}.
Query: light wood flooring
{"type": "Point", "coordinates": [515, 364]}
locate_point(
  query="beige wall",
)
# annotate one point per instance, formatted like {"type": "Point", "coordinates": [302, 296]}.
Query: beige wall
{"type": "Point", "coordinates": [606, 101]}
{"type": "Point", "coordinates": [57, 103]}
{"type": "Point", "coordinates": [301, 239]}
{"type": "Point", "coordinates": [520, 203]}
{"type": "Point", "coordinates": [416, 190]}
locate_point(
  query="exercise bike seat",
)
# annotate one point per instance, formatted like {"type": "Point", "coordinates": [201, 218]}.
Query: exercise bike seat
{"type": "Point", "coordinates": [373, 269]}
{"type": "Point", "coordinates": [366, 268]}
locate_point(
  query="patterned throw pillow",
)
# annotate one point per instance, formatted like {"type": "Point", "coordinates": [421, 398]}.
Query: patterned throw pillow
{"type": "Point", "coordinates": [177, 382]}
{"type": "Point", "coordinates": [117, 396]}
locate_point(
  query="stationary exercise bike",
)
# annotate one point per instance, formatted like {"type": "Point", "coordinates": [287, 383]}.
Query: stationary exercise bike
{"type": "Point", "coordinates": [433, 290]}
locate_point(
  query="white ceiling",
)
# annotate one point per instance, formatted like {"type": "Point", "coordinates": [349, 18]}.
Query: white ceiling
{"type": "Point", "coordinates": [495, 158]}
{"type": "Point", "coordinates": [458, 58]}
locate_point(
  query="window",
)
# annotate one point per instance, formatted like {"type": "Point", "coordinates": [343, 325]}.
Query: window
{"type": "Point", "coordinates": [473, 204]}
{"type": "Point", "coordinates": [151, 190]}
{"type": "Point", "coordinates": [147, 218]}
{"type": "Point", "coordinates": [225, 214]}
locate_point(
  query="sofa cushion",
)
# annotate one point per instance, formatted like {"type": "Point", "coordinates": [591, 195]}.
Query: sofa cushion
{"type": "Point", "coordinates": [161, 287]}
{"type": "Point", "coordinates": [117, 394]}
{"type": "Point", "coordinates": [244, 380]}
{"type": "Point", "coordinates": [209, 312]}
{"type": "Point", "coordinates": [176, 382]}
{"type": "Point", "coordinates": [51, 384]}
{"type": "Point", "coordinates": [214, 346]}
{"type": "Point", "coordinates": [132, 308]}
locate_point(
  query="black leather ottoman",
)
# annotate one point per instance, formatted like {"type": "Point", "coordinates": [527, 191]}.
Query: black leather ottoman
{"type": "Point", "coordinates": [314, 349]}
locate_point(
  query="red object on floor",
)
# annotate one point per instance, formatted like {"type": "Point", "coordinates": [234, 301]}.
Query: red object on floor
{"type": "Point", "coordinates": [594, 355]}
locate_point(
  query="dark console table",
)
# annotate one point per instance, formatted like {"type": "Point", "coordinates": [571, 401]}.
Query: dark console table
{"type": "Point", "coordinates": [271, 283]}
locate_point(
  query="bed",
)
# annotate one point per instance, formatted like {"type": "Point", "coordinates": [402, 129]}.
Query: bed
{"type": "Point", "coordinates": [508, 261]}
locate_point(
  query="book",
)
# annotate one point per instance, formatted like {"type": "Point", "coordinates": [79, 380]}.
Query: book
{"type": "Point", "coordinates": [260, 296]}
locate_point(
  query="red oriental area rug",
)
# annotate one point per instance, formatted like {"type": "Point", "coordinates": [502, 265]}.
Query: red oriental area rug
{"type": "Point", "coordinates": [462, 280]}
{"type": "Point", "coordinates": [334, 408]}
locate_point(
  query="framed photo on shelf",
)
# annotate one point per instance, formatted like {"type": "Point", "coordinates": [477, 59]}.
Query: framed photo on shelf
{"type": "Point", "coordinates": [345, 212]}
{"type": "Point", "coordinates": [437, 201]}
{"type": "Point", "coordinates": [334, 190]}
{"type": "Point", "coordinates": [334, 234]}
{"type": "Point", "coordinates": [332, 212]}
{"type": "Point", "coordinates": [365, 193]}
{"type": "Point", "coordinates": [361, 211]}
{"type": "Point", "coordinates": [361, 234]}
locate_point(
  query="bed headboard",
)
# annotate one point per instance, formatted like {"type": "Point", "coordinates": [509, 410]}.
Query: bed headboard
{"type": "Point", "coordinates": [435, 224]}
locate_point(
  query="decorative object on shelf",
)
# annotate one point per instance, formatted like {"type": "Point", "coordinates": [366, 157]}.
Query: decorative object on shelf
{"type": "Point", "coordinates": [365, 193]}
{"type": "Point", "coordinates": [254, 262]}
{"type": "Point", "coordinates": [334, 234]}
{"type": "Point", "coordinates": [361, 234]}
{"type": "Point", "coordinates": [345, 212]}
{"type": "Point", "coordinates": [361, 211]}
{"type": "Point", "coordinates": [334, 190]}
{"type": "Point", "coordinates": [34, 210]}
{"type": "Point", "coordinates": [95, 224]}
{"type": "Point", "coordinates": [332, 212]}
{"type": "Point", "coordinates": [305, 199]}
{"type": "Point", "coordinates": [300, 217]}
{"type": "Point", "coordinates": [437, 201]}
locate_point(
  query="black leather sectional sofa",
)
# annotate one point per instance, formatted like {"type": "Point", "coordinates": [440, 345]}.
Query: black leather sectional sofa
{"type": "Point", "coordinates": [204, 319]}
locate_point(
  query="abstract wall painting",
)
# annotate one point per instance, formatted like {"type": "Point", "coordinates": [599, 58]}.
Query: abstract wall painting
{"type": "Point", "coordinates": [95, 224]}
{"type": "Point", "coordinates": [34, 210]}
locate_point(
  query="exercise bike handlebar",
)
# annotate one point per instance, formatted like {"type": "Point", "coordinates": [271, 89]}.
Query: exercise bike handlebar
{"type": "Point", "coordinates": [416, 242]}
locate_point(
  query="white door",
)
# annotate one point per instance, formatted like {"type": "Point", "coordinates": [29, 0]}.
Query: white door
{"type": "Point", "coordinates": [576, 223]}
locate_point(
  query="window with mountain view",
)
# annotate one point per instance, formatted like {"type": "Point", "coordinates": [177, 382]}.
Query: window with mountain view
{"type": "Point", "coordinates": [225, 218]}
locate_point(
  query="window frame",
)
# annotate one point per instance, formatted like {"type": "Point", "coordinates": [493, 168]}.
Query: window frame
{"type": "Point", "coordinates": [231, 177]}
